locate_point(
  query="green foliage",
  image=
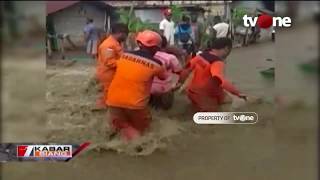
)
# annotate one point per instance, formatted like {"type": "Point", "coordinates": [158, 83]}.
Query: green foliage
{"type": "Point", "coordinates": [237, 15]}
{"type": "Point", "coordinates": [124, 16]}
{"type": "Point", "coordinates": [204, 40]}
{"type": "Point", "coordinates": [177, 13]}
{"type": "Point", "coordinates": [205, 37]}
{"type": "Point", "coordinates": [135, 24]}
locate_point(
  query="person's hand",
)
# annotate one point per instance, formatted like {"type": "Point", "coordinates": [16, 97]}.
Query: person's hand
{"type": "Point", "coordinates": [243, 96]}
{"type": "Point", "coordinates": [177, 86]}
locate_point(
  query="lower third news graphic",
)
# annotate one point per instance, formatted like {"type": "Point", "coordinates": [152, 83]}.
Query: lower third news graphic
{"type": "Point", "coordinates": [39, 152]}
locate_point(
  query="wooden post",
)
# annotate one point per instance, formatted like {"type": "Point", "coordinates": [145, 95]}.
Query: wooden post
{"type": "Point", "coordinates": [67, 37]}
{"type": "Point", "coordinates": [61, 45]}
{"type": "Point", "coordinates": [62, 48]}
{"type": "Point", "coordinates": [109, 26]}
{"type": "Point", "coordinates": [105, 21]}
{"type": "Point", "coordinates": [245, 38]}
{"type": "Point", "coordinates": [49, 46]}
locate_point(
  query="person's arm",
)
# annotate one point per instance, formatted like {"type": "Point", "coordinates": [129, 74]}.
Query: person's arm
{"type": "Point", "coordinates": [161, 74]}
{"type": "Point", "coordinates": [229, 31]}
{"type": "Point", "coordinates": [190, 33]}
{"type": "Point", "coordinates": [185, 77]}
{"type": "Point", "coordinates": [184, 74]}
{"type": "Point", "coordinates": [161, 27]}
{"type": "Point", "coordinates": [175, 65]}
{"type": "Point", "coordinates": [176, 31]}
{"type": "Point", "coordinates": [85, 36]}
{"type": "Point", "coordinates": [217, 69]}
{"type": "Point", "coordinates": [214, 31]}
{"type": "Point", "coordinates": [110, 54]}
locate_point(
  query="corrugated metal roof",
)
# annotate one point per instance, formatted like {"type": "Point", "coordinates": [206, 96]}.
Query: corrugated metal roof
{"type": "Point", "coordinates": [161, 3]}
{"type": "Point", "coordinates": [122, 3]}
{"type": "Point", "coordinates": [54, 6]}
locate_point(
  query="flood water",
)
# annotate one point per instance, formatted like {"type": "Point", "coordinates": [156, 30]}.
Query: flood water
{"type": "Point", "coordinates": [280, 146]}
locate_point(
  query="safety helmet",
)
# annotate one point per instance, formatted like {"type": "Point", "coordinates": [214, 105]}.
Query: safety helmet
{"type": "Point", "coordinates": [149, 38]}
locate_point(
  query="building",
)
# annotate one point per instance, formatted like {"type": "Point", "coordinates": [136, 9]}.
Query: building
{"type": "Point", "coordinates": [69, 17]}
{"type": "Point", "coordinates": [152, 10]}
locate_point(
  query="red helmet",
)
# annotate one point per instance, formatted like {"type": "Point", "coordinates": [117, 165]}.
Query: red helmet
{"type": "Point", "coordinates": [149, 38]}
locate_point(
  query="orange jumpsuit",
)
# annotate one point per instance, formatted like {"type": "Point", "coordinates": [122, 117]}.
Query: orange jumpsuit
{"type": "Point", "coordinates": [206, 89]}
{"type": "Point", "coordinates": [109, 52]}
{"type": "Point", "coordinates": [130, 90]}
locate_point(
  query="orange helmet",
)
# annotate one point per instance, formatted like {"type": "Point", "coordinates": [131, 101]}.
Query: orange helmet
{"type": "Point", "coordinates": [149, 38]}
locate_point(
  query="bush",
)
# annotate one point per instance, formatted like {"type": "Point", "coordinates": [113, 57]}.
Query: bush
{"type": "Point", "coordinates": [135, 24]}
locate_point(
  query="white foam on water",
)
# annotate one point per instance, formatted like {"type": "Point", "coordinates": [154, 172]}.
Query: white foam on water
{"type": "Point", "coordinates": [156, 138]}
{"type": "Point", "coordinates": [238, 103]}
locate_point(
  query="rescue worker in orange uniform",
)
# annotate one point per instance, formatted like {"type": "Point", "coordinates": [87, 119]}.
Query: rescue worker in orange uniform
{"type": "Point", "coordinates": [207, 88]}
{"type": "Point", "coordinates": [109, 52]}
{"type": "Point", "coordinates": [130, 89]}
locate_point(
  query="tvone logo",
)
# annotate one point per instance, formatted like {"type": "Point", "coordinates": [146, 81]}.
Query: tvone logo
{"type": "Point", "coordinates": [265, 21]}
{"type": "Point", "coordinates": [243, 118]}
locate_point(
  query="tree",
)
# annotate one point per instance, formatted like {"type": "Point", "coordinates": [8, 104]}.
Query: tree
{"type": "Point", "coordinates": [135, 25]}
{"type": "Point", "coordinates": [237, 16]}
{"type": "Point", "coordinates": [177, 13]}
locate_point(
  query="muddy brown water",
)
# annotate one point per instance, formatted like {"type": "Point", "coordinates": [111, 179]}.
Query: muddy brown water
{"type": "Point", "coordinates": [281, 145]}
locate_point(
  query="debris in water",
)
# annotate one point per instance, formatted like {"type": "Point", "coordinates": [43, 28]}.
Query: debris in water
{"type": "Point", "coordinates": [254, 100]}
{"type": "Point", "coordinates": [92, 86]}
{"type": "Point", "coordinates": [269, 73]}
{"type": "Point", "coordinates": [238, 103]}
{"type": "Point", "coordinates": [310, 67]}
{"type": "Point", "coordinates": [283, 102]}
{"type": "Point", "coordinates": [81, 58]}
{"type": "Point", "coordinates": [70, 63]}
{"type": "Point", "coordinates": [50, 75]}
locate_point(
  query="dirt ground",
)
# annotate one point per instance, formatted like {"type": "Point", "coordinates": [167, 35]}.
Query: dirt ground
{"type": "Point", "coordinates": [281, 145]}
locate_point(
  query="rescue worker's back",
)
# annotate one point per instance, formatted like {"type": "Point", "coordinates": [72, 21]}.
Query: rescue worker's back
{"type": "Point", "coordinates": [203, 81]}
{"type": "Point", "coordinates": [132, 82]}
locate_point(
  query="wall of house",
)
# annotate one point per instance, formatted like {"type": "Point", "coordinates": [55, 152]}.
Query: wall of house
{"type": "Point", "coordinates": [73, 19]}
{"type": "Point", "coordinates": [216, 9]}
{"type": "Point", "coordinates": [183, 2]}
{"type": "Point", "coordinates": [153, 15]}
